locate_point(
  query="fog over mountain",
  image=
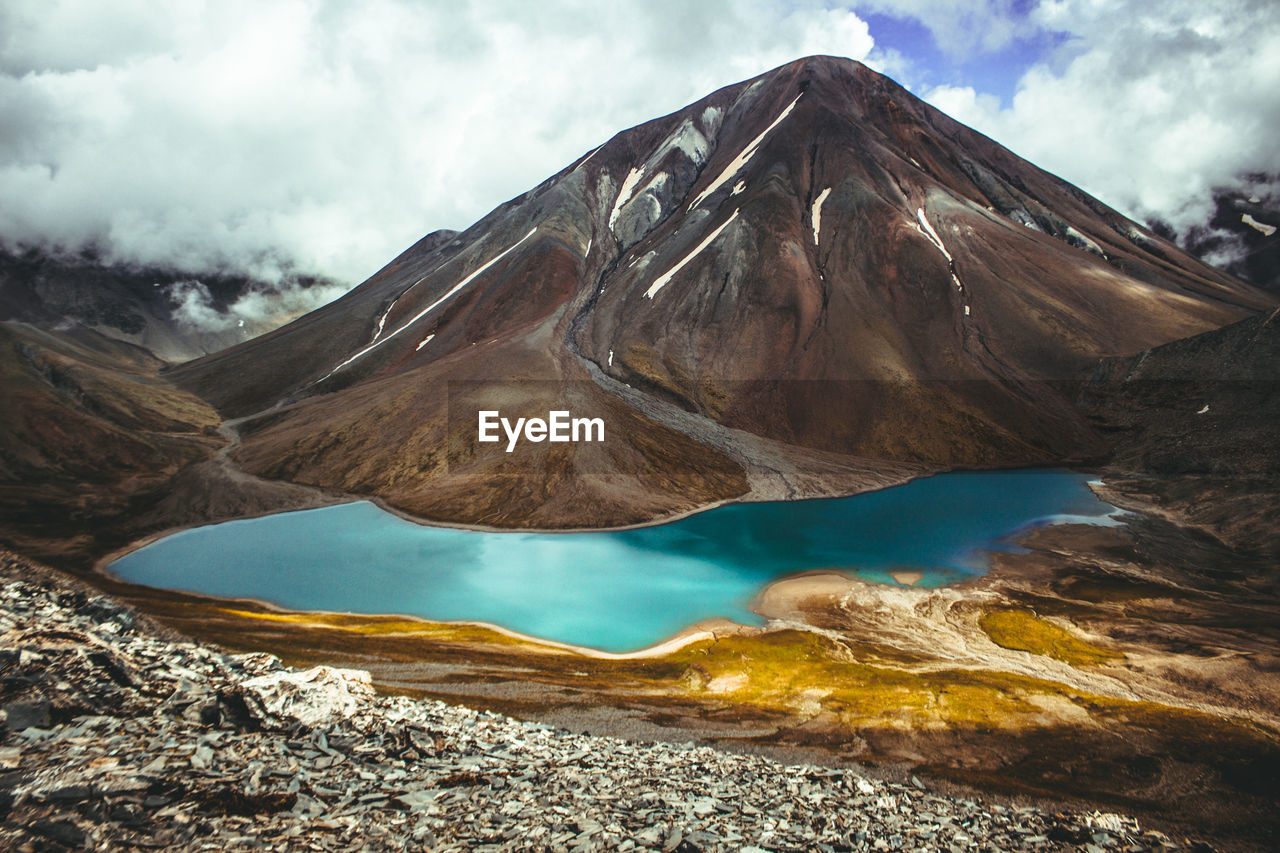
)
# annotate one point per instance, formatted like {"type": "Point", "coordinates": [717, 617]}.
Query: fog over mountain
{"type": "Point", "coordinates": [301, 137]}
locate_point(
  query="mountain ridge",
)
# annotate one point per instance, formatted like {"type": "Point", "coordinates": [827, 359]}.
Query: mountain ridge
{"type": "Point", "coordinates": [798, 264]}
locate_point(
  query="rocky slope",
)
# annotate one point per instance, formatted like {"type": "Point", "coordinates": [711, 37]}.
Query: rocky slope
{"type": "Point", "coordinates": [116, 736]}
{"type": "Point", "coordinates": [97, 449]}
{"type": "Point", "coordinates": [1193, 426]}
{"type": "Point", "coordinates": [758, 294]}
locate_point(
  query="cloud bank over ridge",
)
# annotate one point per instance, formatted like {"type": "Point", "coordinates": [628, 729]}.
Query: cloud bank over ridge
{"type": "Point", "coordinates": [276, 135]}
{"type": "Point", "coordinates": [317, 137]}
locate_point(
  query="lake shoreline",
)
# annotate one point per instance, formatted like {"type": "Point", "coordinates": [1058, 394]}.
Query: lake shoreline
{"type": "Point", "coordinates": [336, 499]}
{"type": "Point", "coordinates": [1124, 586]}
{"type": "Point", "coordinates": [631, 591]}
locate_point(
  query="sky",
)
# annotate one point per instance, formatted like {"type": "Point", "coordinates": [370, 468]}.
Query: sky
{"type": "Point", "coordinates": [286, 138]}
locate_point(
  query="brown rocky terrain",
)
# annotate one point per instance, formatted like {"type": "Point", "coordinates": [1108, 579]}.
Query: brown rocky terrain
{"type": "Point", "coordinates": [117, 735]}
{"type": "Point", "coordinates": [97, 449]}
{"type": "Point", "coordinates": [1193, 426]}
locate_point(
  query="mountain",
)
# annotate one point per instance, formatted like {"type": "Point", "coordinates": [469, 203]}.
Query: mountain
{"type": "Point", "coordinates": [90, 435]}
{"type": "Point", "coordinates": [175, 315]}
{"type": "Point", "coordinates": [1193, 428]}
{"type": "Point", "coordinates": [807, 283]}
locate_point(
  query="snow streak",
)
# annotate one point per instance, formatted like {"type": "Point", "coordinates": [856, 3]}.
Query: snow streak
{"type": "Point", "coordinates": [685, 137]}
{"type": "Point", "coordinates": [666, 277]}
{"type": "Point", "coordinates": [371, 347]}
{"type": "Point", "coordinates": [741, 160]}
{"type": "Point", "coordinates": [382, 321]}
{"type": "Point", "coordinates": [927, 231]}
{"type": "Point", "coordinates": [589, 156]}
{"type": "Point", "coordinates": [816, 217]}
{"type": "Point", "coordinates": [624, 194]}
{"type": "Point", "coordinates": [1264, 228]}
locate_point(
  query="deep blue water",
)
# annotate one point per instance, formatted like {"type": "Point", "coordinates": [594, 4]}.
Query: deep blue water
{"type": "Point", "coordinates": [611, 590]}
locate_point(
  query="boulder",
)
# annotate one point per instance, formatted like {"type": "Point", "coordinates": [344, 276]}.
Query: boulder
{"type": "Point", "coordinates": [317, 697]}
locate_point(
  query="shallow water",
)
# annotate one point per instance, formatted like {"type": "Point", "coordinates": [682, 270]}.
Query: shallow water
{"type": "Point", "coordinates": [610, 590]}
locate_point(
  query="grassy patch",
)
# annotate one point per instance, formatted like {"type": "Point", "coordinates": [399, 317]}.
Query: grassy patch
{"type": "Point", "coordinates": [1022, 630]}
{"type": "Point", "coordinates": [388, 625]}
{"type": "Point", "coordinates": [806, 673]}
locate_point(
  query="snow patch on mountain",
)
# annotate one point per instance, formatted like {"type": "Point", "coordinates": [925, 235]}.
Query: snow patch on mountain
{"type": "Point", "coordinates": [642, 260]}
{"type": "Point", "coordinates": [927, 230]}
{"type": "Point", "coordinates": [663, 279]}
{"type": "Point", "coordinates": [688, 139]}
{"type": "Point", "coordinates": [382, 321]}
{"type": "Point", "coordinates": [656, 185]}
{"type": "Point", "coordinates": [1077, 238]}
{"type": "Point", "coordinates": [425, 311]}
{"type": "Point", "coordinates": [711, 118]}
{"type": "Point", "coordinates": [741, 160]}
{"type": "Point", "coordinates": [624, 195]}
{"type": "Point", "coordinates": [816, 216]}
{"type": "Point", "coordinates": [589, 156]}
{"type": "Point", "coordinates": [1267, 230]}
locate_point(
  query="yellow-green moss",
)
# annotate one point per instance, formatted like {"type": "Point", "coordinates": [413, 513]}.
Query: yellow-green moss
{"type": "Point", "coordinates": [1023, 631]}
{"type": "Point", "coordinates": [383, 625]}
{"type": "Point", "coordinates": [799, 671]}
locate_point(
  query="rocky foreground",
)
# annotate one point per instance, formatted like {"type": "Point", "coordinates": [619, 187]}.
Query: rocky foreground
{"type": "Point", "coordinates": [117, 737]}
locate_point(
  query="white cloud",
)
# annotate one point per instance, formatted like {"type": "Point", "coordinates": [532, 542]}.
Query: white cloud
{"type": "Point", "coordinates": [257, 309]}
{"type": "Point", "coordinates": [1159, 104]}
{"type": "Point", "coordinates": [272, 137]}
{"type": "Point", "coordinates": [282, 137]}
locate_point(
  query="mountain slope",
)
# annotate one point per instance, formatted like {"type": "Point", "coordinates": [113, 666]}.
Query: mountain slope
{"type": "Point", "coordinates": [1194, 424]}
{"type": "Point", "coordinates": [89, 437]}
{"type": "Point", "coordinates": [803, 284]}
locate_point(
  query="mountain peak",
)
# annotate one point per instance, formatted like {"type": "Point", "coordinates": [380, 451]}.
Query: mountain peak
{"type": "Point", "coordinates": [824, 64]}
{"type": "Point", "coordinates": [758, 293]}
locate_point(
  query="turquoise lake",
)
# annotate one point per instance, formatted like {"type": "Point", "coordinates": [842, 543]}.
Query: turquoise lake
{"type": "Point", "coordinates": [611, 590]}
